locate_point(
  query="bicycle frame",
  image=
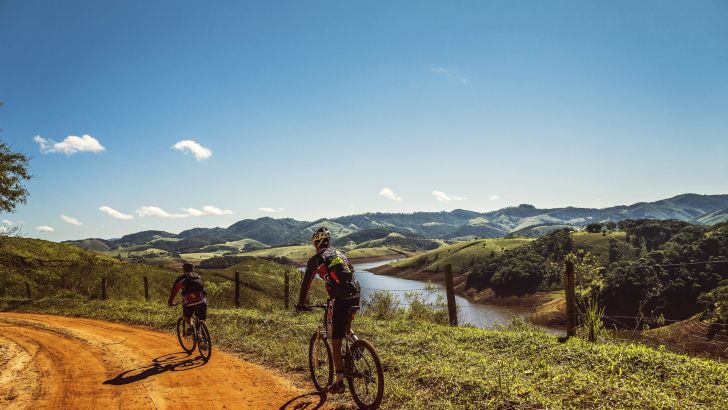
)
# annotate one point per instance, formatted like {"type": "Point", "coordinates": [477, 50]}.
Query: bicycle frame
{"type": "Point", "coordinates": [350, 338]}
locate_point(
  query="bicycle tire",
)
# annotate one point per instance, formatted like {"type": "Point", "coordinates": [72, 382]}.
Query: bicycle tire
{"type": "Point", "coordinates": [359, 350]}
{"type": "Point", "coordinates": [205, 341]}
{"type": "Point", "coordinates": [181, 328]}
{"type": "Point", "coordinates": [315, 363]}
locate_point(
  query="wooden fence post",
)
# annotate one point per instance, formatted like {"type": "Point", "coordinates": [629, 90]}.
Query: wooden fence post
{"type": "Point", "coordinates": [237, 288]}
{"type": "Point", "coordinates": [570, 289]}
{"type": "Point", "coordinates": [27, 290]}
{"type": "Point", "coordinates": [103, 288]}
{"type": "Point", "coordinates": [146, 289]}
{"type": "Point", "coordinates": [452, 310]}
{"type": "Point", "coordinates": [286, 291]}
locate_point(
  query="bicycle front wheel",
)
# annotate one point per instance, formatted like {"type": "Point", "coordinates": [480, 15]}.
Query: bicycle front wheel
{"type": "Point", "coordinates": [366, 380]}
{"type": "Point", "coordinates": [320, 362]}
{"type": "Point", "coordinates": [204, 343]}
{"type": "Point", "coordinates": [187, 342]}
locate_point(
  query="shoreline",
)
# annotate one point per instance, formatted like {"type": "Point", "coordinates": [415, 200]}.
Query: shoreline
{"type": "Point", "coordinates": [546, 309]}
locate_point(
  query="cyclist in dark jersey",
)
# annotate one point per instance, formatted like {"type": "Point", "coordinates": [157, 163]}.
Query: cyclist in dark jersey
{"type": "Point", "coordinates": [334, 268]}
{"type": "Point", "coordinates": [193, 295]}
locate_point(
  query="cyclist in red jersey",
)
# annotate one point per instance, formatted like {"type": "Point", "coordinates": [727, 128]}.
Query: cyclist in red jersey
{"type": "Point", "coordinates": [334, 268]}
{"type": "Point", "coordinates": [193, 295]}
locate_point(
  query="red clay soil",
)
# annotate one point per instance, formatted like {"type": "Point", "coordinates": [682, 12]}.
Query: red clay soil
{"type": "Point", "coordinates": [56, 362]}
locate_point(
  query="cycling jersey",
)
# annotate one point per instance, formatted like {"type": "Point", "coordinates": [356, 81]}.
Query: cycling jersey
{"type": "Point", "coordinates": [334, 268]}
{"type": "Point", "coordinates": [192, 294]}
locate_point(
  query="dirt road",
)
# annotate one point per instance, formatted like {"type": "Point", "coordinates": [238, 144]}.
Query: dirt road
{"type": "Point", "coordinates": [56, 362]}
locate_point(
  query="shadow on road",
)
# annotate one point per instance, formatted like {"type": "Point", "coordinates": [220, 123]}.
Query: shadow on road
{"type": "Point", "coordinates": [308, 401]}
{"type": "Point", "coordinates": [172, 362]}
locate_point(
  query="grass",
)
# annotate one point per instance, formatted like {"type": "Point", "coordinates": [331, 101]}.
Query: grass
{"type": "Point", "coordinates": [432, 366]}
{"type": "Point", "coordinates": [302, 253]}
{"type": "Point", "coordinates": [460, 255]}
{"type": "Point", "coordinates": [598, 244]}
{"type": "Point", "coordinates": [35, 251]}
{"type": "Point", "coordinates": [298, 253]}
{"type": "Point", "coordinates": [262, 284]}
{"type": "Point", "coordinates": [57, 270]}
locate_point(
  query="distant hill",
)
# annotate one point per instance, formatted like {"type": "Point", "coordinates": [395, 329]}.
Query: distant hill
{"type": "Point", "coordinates": [523, 220]}
{"type": "Point", "coordinates": [713, 218]}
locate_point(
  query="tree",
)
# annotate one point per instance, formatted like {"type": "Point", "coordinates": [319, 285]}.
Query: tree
{"type": "Point", "coordinates": [594, 227]}
{"type": "Point", "coordinates": [13, 174]}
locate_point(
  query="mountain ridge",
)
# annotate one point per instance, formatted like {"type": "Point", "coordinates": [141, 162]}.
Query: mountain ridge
{"type": "Point", "coordinates": [452, 225]}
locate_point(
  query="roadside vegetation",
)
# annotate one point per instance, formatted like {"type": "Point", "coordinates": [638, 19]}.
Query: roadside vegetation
{"type": "Point", "coordinates": [433, 366]}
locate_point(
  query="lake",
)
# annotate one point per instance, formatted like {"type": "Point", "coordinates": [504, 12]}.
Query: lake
{"type": "Point", "coordinates": [483, 316]}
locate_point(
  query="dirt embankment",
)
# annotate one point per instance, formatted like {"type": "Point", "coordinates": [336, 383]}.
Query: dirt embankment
{"type": "Point", "coordinates": [55, 362]}
{"type": "Point", "coordinates": [691, 336]}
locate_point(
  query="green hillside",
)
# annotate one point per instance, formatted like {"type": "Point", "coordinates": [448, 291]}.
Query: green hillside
{"type": "Point", "coordinates": [402, 242]}
{"type": "Point", "coordinates": [59, 270]}
{"type": "Point", "coordinates": [461, 256]}
{"type": "Point", "coordinates": [53, 269]}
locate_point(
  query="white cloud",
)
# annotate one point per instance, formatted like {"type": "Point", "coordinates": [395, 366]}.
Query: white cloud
{"type": "Point", "coordinates": [389, 194]}
{"type": "Point", "coordinates": [443, 197]}
{"type": "Point", "coordinates": [115, 214]}
{"type": "Point", "coordinates": [196, 149]}
{"type": "Point", "coordinates": [158, 212]}
{"type": "Point", "coordinates": [7, 222]}
{"type": "Point", "coordinates": [211, 210]}
{"type": "Point", "coordinates": [450, 73]}
{"type": "Point", "coordinates": [69, 146]}
{"type": "Point", "coordinates": [193, 212]}
{"type": "Point", "coordinates": [271, 210]}
{"type": "Point", "coordinates": [207, 210]}
{"type": "Point", "coordinates": [44, 228]}
{"type": "Point", "coordinates": [187, 212]}
{"type": "Point", "coordinates": [72, 221]}
{"type": "Point", "coordinates": [494, 197]}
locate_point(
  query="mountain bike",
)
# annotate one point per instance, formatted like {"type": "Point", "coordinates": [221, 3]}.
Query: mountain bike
{"type": "Point", "coordinates": [362, 369]}
{"type": "Point", "coordinates": [199, 336]}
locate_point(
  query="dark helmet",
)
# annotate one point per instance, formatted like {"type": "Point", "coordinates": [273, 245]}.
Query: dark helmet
{"type": "Point", "coordinates": [187, 267]}
{"type": "Point", "coordinates": [321, 236]}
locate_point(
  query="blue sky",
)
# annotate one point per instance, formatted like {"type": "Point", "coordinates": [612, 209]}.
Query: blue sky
{"type": "Point", "coordinates": [313, 108]}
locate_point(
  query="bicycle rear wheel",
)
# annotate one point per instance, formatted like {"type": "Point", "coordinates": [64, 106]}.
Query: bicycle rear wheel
{"type": "Point", "coordinates": [187, 342]}
{"type": "Point", "coordinates": [366, 380]}
{"type": "Point", "coordinates": [320, 362]}
{"type": "Point", "coordinates": [204, 343]}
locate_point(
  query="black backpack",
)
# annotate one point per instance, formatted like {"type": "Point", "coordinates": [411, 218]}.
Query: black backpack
{"type": "Point", "coordinates": [193, 283]}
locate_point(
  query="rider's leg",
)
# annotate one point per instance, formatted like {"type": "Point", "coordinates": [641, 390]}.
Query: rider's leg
{"type": "Point", "coordinates": [201, 312]}
{"type": "Point", "coordinates": [338, 332]}
{"type": "Point", "coordinates": [338, 360]}
{"type": "Point", "coordinates": [187, 314]}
